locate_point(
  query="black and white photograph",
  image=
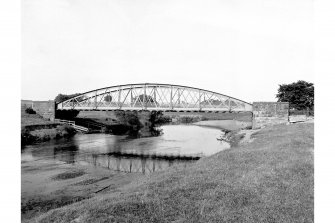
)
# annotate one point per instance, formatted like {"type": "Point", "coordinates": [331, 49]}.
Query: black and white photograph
{"type": "Point", "coordinates": [166, 111]}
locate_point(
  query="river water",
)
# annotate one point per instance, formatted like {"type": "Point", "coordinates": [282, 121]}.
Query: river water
{"type": "Point", "coordinates": [101, 149]}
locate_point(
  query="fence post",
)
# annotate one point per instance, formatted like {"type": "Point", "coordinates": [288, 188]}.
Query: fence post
{"type": "Point", "coordinates": [118, 161]}
{"type": "Point", "coordinates": [130, 165]}
{"type": "Point", "coordinates": [199, 100]}
{"type": "Point", "coordinates": [171, 103]}
{"type": "Point", "coordinates": [143, 161]}
{"type": "Point", "coordinates": [144, 105]}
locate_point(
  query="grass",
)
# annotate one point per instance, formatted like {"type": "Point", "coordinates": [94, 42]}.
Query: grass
{"type": "Point", "coordinates": [90, 181]}
{"type": "Point", "coordinates": [42, 204]}
{"type": "Point", "coordinates": [31, 119]}
{"type": "Point", "coordinates": [68, 175]}
{"type": "Point", "coordinates": [268, 180]}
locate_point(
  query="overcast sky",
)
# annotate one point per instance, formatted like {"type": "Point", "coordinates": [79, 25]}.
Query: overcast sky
{"type": "Point", "coordinates": [240, 48]}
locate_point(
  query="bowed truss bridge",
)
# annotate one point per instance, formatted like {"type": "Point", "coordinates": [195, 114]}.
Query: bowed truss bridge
{"type": "Point", "coordinates": [154, 97]}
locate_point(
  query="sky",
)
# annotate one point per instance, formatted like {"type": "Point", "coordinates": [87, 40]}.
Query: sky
{"type": "Point", "coordinates": [240, 48]}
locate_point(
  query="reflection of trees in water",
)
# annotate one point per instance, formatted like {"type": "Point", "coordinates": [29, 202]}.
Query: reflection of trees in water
{"type": "Point", "coordinates": [66, 154]}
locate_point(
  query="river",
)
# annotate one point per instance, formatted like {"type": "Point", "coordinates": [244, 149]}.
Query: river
{"type": "Point", "coordinates": [100, 149]}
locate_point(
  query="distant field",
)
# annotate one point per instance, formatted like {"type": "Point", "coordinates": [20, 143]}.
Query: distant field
{"type": "Point", "coordinates": [245, 116]}
{"type": "Point", "coordinates": [96, 115]}
{"type": "Point", "coordinates": [270, 179]}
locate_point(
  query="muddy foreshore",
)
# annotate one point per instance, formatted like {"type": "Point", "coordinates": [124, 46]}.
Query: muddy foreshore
{"type": "Point", "coordinates": [234, 132]}
{"type": "Point", "coordinates": [231, 125]}
{"type": "Point", "coordinates": [49, 185]}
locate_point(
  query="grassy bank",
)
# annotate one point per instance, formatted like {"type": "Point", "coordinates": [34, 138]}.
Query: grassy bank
{"type": "Point", "coordinates": [32, 119]}
{"type": "Point", "coordinates": [34, 128]}
{"type": "Point", "coordinates": [270, 179]}
{"type": "Point", "coordinates": [46, 134]}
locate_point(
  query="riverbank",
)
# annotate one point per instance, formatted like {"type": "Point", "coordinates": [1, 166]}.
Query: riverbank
{"type": "Point", "coordinates": [34, 129]}
{"type": "Point", "coordinates": [267, 180]}
{"type": "Point", "coordinates": [233, 132]}
{"type": "Point", "coordinates": [231, 125]}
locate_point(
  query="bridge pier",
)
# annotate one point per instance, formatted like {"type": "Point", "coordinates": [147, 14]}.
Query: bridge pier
{"type": "Point", "coordinates": [270, 113]}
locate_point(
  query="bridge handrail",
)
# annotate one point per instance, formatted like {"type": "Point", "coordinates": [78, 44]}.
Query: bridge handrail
{"type": "Point", "coordinates": [72, 123]}
{"type": "Point", "coordinates": [64, 121]}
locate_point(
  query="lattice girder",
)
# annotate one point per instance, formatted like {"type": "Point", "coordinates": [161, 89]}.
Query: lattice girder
{"type": "Point", "coordinates": [154, 97]}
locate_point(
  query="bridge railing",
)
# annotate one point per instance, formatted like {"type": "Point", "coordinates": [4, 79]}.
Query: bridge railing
{"type": "Point", "coordinates": [73, 124]}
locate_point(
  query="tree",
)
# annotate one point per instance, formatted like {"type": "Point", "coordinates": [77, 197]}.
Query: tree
{"type": "Point", "coordinates": [63, 97]}
{"type": "Point", "coordinates": [108, 98]}
{"type": "Point", "coordinates": [144, 99]}
{"type": "Point", "coordinates": [211, 101]}
{"type": "Point", "coordinates": [299, 94]}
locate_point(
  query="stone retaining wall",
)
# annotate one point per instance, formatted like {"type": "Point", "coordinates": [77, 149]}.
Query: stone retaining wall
{"type": "Point", "coordinates": [270, 113]}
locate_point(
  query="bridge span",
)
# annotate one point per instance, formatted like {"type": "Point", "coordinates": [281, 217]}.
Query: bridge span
{"type": "Point", "coordinates": [154, 97]}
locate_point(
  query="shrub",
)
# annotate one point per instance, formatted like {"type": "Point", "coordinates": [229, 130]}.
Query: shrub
{"type": "Point", "coordinates": [203, 118]}
{"type": "Point", "coordinates": [66, 130]}
{"type": "Point", "coordinates": [158, 118]}
{"type": "Point", "coordinates": [133, 120]}
{"type": "Point", "coordinates": [29, 110]}
{"type": "Point", "coordinates": [26, 137]}
{"type": "Point", "coordinates": [189, 119]}
{"type": "Point", "coordinates": [164, 119]}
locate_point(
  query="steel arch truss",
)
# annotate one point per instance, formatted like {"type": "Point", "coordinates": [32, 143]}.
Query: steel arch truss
{"type": "Point", "coordinates": [154, 97]}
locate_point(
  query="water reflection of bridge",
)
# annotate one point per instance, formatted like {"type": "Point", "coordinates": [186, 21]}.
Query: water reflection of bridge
{"type": "Point", "coordinates": [124, 162]}
{"type": "Point", "coordinates": [140, 163]}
